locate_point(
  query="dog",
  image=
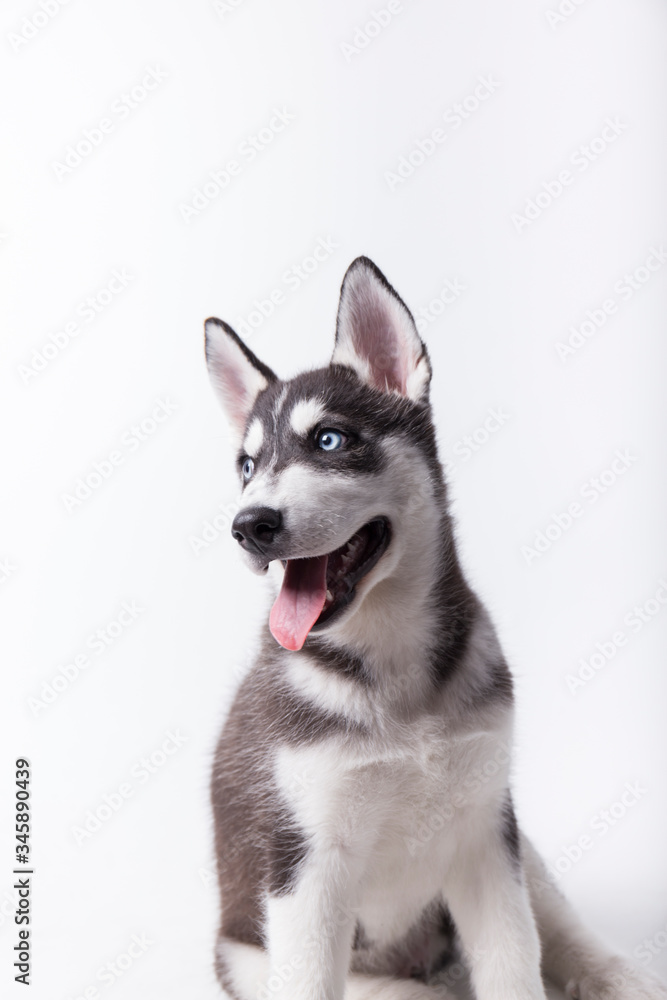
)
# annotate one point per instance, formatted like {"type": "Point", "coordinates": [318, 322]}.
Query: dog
{"type": "Point", "coordinates": [364, 826]}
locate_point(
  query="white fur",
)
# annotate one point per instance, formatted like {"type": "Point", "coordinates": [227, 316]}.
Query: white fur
{"type": "Point", "coordinates": [314, 940]}
{"type": "Point", "coordinates": [280, 401]}
{"type": "Point", "coordinates": [393, 820]}
{"type": "Point", "coordinates": [254, 438]}
{"type": "Point", "coordinates": [327, 690]}
{"type": "Point", "coordinates": [247, 965]}
{"type": "Point", "coordinates": [253, 978]}
{"type": "Point", "coordinates": [305, 416]}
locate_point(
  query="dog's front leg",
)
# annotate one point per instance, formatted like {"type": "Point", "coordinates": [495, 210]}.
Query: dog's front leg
{"type": "Point", "coordinates": [489, 901]}
{"type": "Point", "coordinates": [310, 928]}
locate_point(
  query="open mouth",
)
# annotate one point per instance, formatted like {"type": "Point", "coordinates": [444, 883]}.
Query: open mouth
{"type": "Point", "coordinates": [316, 589]}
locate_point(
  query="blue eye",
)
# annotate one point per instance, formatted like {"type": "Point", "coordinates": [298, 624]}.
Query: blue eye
{"type": "Point", "coordinates": [330, 440]}
{"type": "Point", "coordinates": [248, 468]}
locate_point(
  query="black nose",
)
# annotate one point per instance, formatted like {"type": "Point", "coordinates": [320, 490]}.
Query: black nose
{"type": "Point", "coordinates": [256, 527]}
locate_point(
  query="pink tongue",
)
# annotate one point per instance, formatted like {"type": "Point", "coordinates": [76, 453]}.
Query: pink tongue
{"type": "Point", "coordinates": [300, 601]}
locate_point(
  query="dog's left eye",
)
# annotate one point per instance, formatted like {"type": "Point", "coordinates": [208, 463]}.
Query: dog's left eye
{"type": "Point", "coordinates": [330, 440]}
{"type": "Point", "coordinates": [248, 468]}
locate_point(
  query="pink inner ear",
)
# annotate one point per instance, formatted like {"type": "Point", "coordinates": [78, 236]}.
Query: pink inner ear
{"type": "Point", "coordinates": [390, 359]}
{"type": "Point", "coordinates": [236, 394]}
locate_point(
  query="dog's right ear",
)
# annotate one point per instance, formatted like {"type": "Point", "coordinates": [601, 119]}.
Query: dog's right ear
{"type": "Point", "coordinates": [376, 335]}
{"type": "Point", "coordinates": [237, 375]}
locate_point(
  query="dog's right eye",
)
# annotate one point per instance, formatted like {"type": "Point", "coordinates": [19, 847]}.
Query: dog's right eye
{"type": "Point", "coordinates": [330, 440]}
{"type": "Point", "coordinates": [247, 468]}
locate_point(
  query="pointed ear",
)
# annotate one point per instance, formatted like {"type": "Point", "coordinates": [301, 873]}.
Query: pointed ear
{"type": "Point", "coordinates": [237, 375]}
{"type": "Point", "coordinates": [376, 334]}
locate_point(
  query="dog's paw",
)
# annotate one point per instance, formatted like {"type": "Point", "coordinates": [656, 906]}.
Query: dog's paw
{"type": "Point", "coordinates": [617, 979]}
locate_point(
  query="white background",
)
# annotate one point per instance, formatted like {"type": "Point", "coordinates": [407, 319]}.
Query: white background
{"type": "Point", "coordinates": [148, 870]}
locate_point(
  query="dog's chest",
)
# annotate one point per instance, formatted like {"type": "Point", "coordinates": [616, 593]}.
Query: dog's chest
{"type": "Point", "coordinates": [396, 809]}
{"type": "Point", "coordinates": [399, 801]}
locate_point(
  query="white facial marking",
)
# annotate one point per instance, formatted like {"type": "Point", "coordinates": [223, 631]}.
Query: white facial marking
{"type": "Point", "coordinates": [305, 415]}
{"type": "Point", "coordinates": [254, 437]}
{"type": "Point", "coordinates": [278, 407]}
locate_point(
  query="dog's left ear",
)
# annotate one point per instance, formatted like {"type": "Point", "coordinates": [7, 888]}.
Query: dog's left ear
{"type": "Point", "coordinates": [237, 375]}
{"type": "Point", "coordinates": [376, 334]}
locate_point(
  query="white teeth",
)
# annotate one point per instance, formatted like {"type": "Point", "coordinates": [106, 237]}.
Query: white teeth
{"type": "Point", "coordinates": [329, 596]}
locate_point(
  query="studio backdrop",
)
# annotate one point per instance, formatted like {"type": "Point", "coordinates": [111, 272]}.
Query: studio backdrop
{"type": "Point", "coordinates": [503, 163]}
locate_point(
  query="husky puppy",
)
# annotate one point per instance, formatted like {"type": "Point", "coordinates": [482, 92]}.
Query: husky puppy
{"type": "Point", "coordinates": [363, 819]}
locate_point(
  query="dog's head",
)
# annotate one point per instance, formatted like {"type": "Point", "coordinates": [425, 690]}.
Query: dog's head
{"type": "Point", "coordinates": [338, 466]}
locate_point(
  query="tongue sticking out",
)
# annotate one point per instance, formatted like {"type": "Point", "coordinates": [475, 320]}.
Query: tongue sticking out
{"type": "Point", "coordinates": [300, 601]}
